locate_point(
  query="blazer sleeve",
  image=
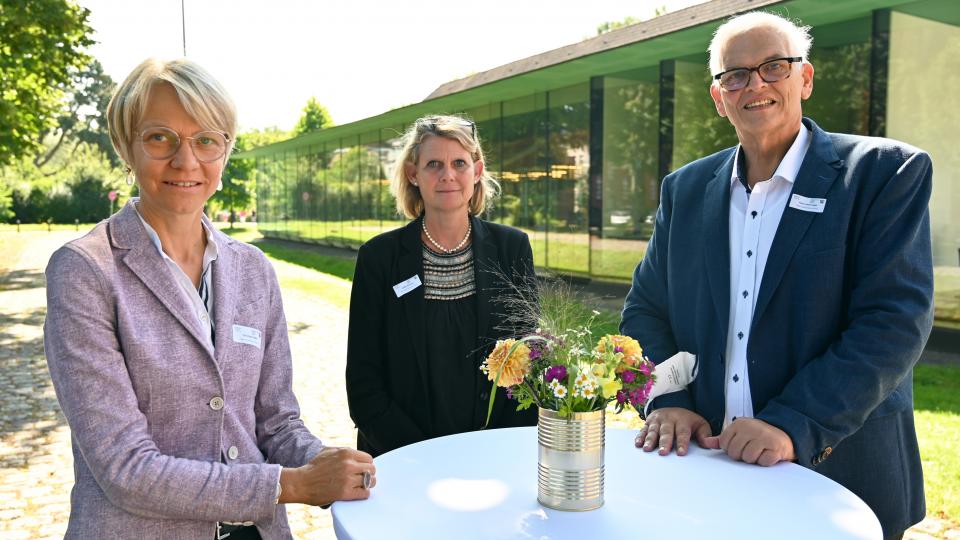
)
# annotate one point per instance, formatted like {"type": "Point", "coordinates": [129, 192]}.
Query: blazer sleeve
{"type": "Point", "coordinates": [380, 419]}
{"type": "Point", "coordinates": [889, 317]}
{"type": "Point", "coordinates": [281, 434]}
{"type": "Point", "coordinates": [646, 311]}
{"type": "Point", "coordinates": [112, 435]}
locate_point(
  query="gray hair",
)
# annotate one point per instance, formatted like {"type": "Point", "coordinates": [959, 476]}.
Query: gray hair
{"type": "Point", "coordinates": [798, 36]}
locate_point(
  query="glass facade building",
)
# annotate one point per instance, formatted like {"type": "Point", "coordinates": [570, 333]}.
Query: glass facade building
{"type": "Point", "coordinates": [580, 145]}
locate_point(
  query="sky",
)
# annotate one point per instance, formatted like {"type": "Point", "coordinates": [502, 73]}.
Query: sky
{"type": "Point", "coordinates": [359, 58]}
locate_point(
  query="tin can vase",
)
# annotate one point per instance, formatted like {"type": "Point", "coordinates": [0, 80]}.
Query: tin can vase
{"type": "Point", "coordinates": [570, 464]}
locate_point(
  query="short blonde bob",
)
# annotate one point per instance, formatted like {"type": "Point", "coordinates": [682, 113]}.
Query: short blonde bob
{"type": "Point", "coordinates": [204, 99]}
{"type": "Point", "coordinates": [457, 128]}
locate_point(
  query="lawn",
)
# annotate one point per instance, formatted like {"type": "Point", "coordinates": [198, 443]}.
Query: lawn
{"type": "Point", "coordinates": [936, 387]}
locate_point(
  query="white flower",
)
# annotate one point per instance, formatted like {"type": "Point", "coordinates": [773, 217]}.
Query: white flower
{"type": "Point", "coordinates": [588, 392]}
{"type": "Point", "coordinates": [560, 391]}
{"type": "Point", "coordinates": [582, 379]}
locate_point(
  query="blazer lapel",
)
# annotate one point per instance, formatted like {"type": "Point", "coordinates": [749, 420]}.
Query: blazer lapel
{"type": "Point", "coordinates": [716, 226]}
{"type": "Point", "coordinates": [226, 276]}
{"type": "Point", "coordinates": [410, 264]}
{"type": "Point", "coordinates": [147, 264]}
{"type": "Point", "coordinates": [821, 167]}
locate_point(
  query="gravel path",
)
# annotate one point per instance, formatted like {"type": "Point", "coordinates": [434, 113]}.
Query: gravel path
{"type": "Point", "coordinates": [36, 466]}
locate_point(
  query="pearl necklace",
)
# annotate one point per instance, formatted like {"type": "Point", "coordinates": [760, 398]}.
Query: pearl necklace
{"type": "Point", "coordinates": [437, 244]}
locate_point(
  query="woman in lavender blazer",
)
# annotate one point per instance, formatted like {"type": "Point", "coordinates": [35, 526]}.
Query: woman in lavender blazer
{"type": "Point", "coordinates": [167, 344]}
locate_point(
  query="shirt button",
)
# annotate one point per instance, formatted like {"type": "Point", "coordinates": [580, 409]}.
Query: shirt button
{"type": "Point", "coordinates": [216, 403]}
{"type": "Point", "coordinates": [484, 396]}
{"type": "Point", "coordinates": [232, 452]}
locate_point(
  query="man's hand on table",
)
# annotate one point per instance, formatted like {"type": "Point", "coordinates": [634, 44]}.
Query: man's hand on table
{"type": "Point", "coordinates": [673, 425]}
{"type": "Point", "coordinates": [754, 441]}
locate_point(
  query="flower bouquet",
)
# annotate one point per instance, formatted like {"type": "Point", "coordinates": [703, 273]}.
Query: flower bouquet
{"type": "Point", "coordinates": [572, 377]}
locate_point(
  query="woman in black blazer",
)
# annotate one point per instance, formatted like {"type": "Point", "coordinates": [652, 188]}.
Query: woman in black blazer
{"type": "Point", "coordinates": [424, 310]}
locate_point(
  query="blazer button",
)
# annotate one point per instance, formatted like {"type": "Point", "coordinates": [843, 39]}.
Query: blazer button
{"type": "Point", "coordinates": [232, 453]}
{"type": "Point", "coordinates": [216, 403]}
{"type": "Point", "coordinates": [484, 396]}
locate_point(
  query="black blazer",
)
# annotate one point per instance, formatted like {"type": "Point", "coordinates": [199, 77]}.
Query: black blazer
{"type": "Point", "coordinates": [387, 381]}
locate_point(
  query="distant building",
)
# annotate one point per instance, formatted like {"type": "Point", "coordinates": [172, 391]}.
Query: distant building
{"type": "Point", "coordinates": [581, 136]}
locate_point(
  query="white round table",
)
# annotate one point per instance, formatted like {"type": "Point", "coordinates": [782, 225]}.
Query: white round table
{"type": "Point", "coordinates": [483, 485]}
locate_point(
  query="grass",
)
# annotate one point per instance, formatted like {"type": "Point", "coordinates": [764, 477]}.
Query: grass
{"type": "Point", "coordinates": [936, 387]}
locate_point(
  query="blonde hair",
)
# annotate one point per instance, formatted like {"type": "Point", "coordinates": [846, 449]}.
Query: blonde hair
{"type": "Point", "coordinates": [408, 198]}
{"type": "Point", "coordinates": [798, 36]}
{"type": "Point", "coordinates": [204, 99]}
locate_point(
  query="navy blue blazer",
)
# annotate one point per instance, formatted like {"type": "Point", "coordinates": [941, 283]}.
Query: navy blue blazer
{"type": "Point", "coordinates": [843, 311]}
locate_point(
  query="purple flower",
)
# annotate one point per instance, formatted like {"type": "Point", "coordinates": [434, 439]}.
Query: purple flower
{"type": "Point", "coordinates": [621, 397]}
{"type": "Point", "coordinates": [645, 368]}
{"type": "Point", "coordinates": [628, 376]}
{"type": "Point", "coordinates": [618, 349]}
{"type": "Point", "coordinates": [556, 373]}
{"type": "Point", "coordinates": [510, 392]}
{"type": "Point", "coordinates": [535, 353]}
{"type": "Point", "coordinates": [637, 397]}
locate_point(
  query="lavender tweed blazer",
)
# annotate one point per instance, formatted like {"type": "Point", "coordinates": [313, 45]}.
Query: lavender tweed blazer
{"type": "Point", "coordinates": [155, 412]}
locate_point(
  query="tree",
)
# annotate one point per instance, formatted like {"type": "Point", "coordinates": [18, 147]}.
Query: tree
{"type": "Point", "coordinates": [83, 118]}
{"type": "Point", "coordinates": [315, 117]}
{"type": "Point", "coordinates": [41, 49]}
{"type": "Point", "coordinates": [609, 26]}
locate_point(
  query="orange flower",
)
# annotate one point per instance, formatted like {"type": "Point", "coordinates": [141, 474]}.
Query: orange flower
{"type": "Point", "coordinates": [512, 368]}
{"type": "Point", "coordinates": [632, 352]}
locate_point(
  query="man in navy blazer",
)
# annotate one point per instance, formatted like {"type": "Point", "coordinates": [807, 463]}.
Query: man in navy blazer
{"type": "Point", "coordinates": [797, 268]}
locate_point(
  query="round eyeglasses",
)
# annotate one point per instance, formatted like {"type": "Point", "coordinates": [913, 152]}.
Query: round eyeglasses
{"type": "Point", "coordinates": [770, 71]}
{"type": "Point", "coordinates": [163, 143]}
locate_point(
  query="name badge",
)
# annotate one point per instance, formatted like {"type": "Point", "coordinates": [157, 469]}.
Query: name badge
{"type": "Point", "coordinates": [807, 204]}
{"type": "Point", "coordinates": [246, 335]}
{"type": "Point", "coordinates": [406, 286]}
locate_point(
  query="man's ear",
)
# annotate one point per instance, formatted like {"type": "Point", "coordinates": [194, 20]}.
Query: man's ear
{"type": "Point", "coordinates": [806, 70]}
{"type": "Point", "coordinates": [717, 99]}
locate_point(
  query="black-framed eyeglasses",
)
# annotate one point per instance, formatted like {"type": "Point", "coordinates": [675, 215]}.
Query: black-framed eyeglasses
{"type": "Point", "coordinates": [770, 71]}
{"type": "Point", "coordinates": [163, 143]}
{"type": "Point", "coordinates": [430, 123]}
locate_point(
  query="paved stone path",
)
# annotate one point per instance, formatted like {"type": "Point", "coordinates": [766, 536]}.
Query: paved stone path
{"type": "Point", "coordinates": [36, 466]}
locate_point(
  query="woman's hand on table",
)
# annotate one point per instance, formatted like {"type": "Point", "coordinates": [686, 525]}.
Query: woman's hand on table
{"type": "Point", "coordinates": [334, 474]}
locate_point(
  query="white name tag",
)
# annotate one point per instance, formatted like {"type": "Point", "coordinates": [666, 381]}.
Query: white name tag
{"type": "Point", "coordinates": [807, 204]}
{"type": "Point", "coordinates": [246, 335]}
{"type": "Point", "coordinates": [406, 286]}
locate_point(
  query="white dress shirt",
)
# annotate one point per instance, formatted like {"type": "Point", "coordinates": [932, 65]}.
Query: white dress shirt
{"type": "Point", "coordinates": [754, 218]}
{"type": "Point", "coordinates": [200, 299]}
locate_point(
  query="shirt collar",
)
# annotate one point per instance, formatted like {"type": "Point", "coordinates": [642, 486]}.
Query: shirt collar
{"type": "Point", "coordinates": [789, 166]}
{"type": "Point", "coordinates": [209, 254]}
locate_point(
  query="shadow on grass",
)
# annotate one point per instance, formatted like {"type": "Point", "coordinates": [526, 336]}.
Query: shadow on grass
{"type": "Point", "coordinates": [329, 260]}
{"type": "Point", "coordinates": [936, 388]}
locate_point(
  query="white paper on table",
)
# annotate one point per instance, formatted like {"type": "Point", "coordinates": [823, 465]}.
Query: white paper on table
{"type": "Point", "coordinates": [673, 374]}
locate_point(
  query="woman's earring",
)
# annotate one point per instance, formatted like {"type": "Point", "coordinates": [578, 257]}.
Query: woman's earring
{"type": "Point", "coordinates": [129, 176]}
{"type": "Point", "coordinates": [220, 185]}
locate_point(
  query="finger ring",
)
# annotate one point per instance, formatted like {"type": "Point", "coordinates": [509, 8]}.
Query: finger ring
{"type": "Point", "coordinates": [366, 479]}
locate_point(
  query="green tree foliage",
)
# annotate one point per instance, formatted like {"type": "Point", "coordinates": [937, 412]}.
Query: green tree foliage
{"type": "Point", "coordinates": [315, 117]}
{"type": "Point", "coordinates": [609, 26]}
{"type": "Point", "coordinates": [41, 50]}
{"type": "Point", "coordinates": [605, 27]}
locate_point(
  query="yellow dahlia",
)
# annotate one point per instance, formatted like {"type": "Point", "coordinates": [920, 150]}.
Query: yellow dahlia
{"type": "Point", "coordinates": [632, 352]}
{"type": "Point", "coordinates": [512, 368]}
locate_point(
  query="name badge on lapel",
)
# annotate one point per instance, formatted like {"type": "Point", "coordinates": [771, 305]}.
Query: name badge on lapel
{"type": "Point", "coordinates": [807, 204]}
{"type": "Point", "coordinates": [406, 286]}
{"type": "Point", "coordinates": [246, 335]}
